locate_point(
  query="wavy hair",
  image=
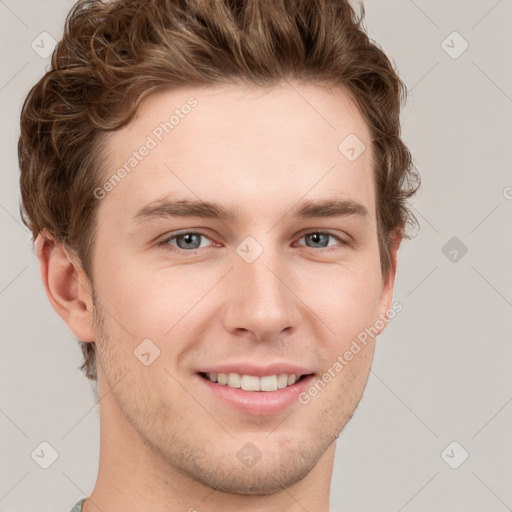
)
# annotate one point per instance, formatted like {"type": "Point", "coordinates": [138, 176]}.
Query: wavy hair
{"type": "Point", "coordinates": [114, 54]}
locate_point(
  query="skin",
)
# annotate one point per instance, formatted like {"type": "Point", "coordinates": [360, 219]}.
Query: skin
{"type": "Point", "coordinates": [167, 443]}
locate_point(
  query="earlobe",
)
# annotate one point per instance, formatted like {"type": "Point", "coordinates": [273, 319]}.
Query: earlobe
{"type": "Point", "coordinates": [66, 285]}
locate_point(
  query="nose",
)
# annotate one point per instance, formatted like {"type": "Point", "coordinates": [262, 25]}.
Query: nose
{"type": "Point", "coordinates": [260, 298]}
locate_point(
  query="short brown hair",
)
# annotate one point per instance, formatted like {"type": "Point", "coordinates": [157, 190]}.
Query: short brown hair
{"type": "Point", "coordinates": [114, 54]}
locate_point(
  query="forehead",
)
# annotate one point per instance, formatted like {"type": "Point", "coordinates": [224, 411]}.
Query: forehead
{"type": "Point", "coordinates": [241, 146]}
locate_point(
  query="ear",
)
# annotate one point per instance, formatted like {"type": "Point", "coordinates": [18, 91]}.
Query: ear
{"type": "Point", "coordinates": [67, 287]}
{"type": "Point", "coordinates": [389, 280]}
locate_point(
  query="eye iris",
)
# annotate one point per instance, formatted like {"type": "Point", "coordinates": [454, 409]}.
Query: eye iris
{"type": "Point", "coordinates": [188, 237]}
{"type": "Point", "coordinates": [315, 237]}
{"type": "Point", "coordinates": [194, 239]}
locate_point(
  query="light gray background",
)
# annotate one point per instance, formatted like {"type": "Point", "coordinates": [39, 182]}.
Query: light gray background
{"type": "Point", "coordinates": [442, 370]}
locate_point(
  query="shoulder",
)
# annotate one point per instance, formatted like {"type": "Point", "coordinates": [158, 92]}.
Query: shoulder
{"type": "Point", "coordinates": [78, 506]}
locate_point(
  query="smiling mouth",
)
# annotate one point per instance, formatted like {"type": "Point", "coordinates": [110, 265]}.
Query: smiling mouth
{"type": "Point", "coordinates": [253, 382]}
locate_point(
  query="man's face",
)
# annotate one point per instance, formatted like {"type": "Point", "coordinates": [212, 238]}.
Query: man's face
{"type": "Point", "coordinates": [268, 292]}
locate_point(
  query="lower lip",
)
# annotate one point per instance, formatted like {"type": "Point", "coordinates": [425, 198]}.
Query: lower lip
{"type": "Point", "coordinates": [258, 402]}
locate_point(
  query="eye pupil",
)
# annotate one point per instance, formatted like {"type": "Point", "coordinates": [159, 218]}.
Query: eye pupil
{"type": "Point", "coordinates": [188, 238]}
{"type": "Point", "coordinates": [192, 240]}
{"type": "Point", "coordinates": [316, 237]}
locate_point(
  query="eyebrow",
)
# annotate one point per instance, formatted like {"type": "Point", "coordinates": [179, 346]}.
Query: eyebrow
{"type": "Point", "coordinates": [325, 208]}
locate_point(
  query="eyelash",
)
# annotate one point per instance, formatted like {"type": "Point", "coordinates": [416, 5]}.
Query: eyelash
{"type": "Point", "coordinates": [165, 243]}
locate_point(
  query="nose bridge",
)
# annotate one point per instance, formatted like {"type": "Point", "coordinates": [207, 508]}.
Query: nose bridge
{"type": "Point", "coordinates": [261, 279]}
{"type": "Point", "coordinates": [259, 300]}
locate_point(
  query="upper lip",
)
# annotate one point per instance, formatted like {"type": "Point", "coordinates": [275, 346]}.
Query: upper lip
{"type": "Point", "coordinates": [246, 368]}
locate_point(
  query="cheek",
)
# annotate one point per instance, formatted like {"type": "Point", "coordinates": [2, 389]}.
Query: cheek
{"type": "Point", "coordinates": [350, 308]}
{"type": "Point", "coordinates": [348, 296]}
{"type": "Point", "coordinates": [158, 303]}
{"type": "Point", "coordinates": [140, 300]}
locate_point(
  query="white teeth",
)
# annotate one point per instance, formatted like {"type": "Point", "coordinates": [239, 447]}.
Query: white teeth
{"type": "Point", "coordinates": [282, 380]}
{"type": "Point", "coordinates": [268, 383]}
{"type": "Point", "coordinates": [234, 380]}
{"type": "Point", "coordinates": [252, 382]}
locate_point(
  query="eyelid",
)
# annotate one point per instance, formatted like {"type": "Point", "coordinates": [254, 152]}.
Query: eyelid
{"type": "Point", "coordinates": [339, 238]}
{"type": "Point", "coordinates": [198, 231]}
